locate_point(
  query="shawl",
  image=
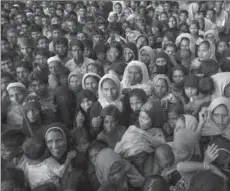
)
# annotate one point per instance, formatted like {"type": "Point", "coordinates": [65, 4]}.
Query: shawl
{"type": "Point", "coordinates": [221, 80]}
{"type": "Point", "coordinates": [192, 11]}
{"type": "Point", "coordinates": [136, 34]}
{"type": "Point", "coordinates": [212, 32]}
{"type": "Point", "coordinates": [192, 44]}
{"type": "Point", "coordinates": [210, 128]}
{"type": "Point", "coordinates": [87, 75]}
{"type": "Point", "coordinates": [122, 3]}
{"type": "Point", "coordinates": [151, 53]}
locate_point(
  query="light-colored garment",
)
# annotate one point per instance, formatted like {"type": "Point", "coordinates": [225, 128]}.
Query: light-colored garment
{"type": "Point", "coordinates": [221, 80]}
{"type": "Point", "coordinates": [111, 14]}
{"type": "Point", "coordinates": [87, 75]}
{"type": "Point", "coordinates": [122, 3]}
{"type": "Point", "coordinates": [53, 82]}
{"type": "Point", "coordinates": [192, 11]}
{"type": "Point", "coordinates": [212, 32]}
{"type": "Point", "coordinates": [72, 66]}
{"type": "Point", "coordinates": [15, 115]}
{"type": "Point", "coordinates": [150, 51]}
{"type": "Point", "coordinates": [192, 44]}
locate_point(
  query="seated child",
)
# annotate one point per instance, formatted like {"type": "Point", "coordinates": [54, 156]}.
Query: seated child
{"type": "Point", "coordinates": [41, 170]}
{"type": "Point", "coordinates": [155, 182]}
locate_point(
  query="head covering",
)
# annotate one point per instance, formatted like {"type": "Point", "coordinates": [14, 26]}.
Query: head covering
{"type": "Point", "coordinates": [142, 35]}
{"type": "Point", "coordinates": [31, 105]}
{"type": "Point", "coordinates": [16, 85]}
{"type": "Point", "coordinates": [87, 75]}
{"type": "Point", "coordinates": [132, 47]}
{"type": "Point", "coordinates": [191, 81]}
{"type": "Point", "coordinates": [212, 32]}
{"type": "Point", "coordinates": [150, 51]}
{"type": "Point", "coordinates": [104, 103]}
{"type": "Point", "coordinates": [77, 74]}
{"type": "Point", "coordinates": [145, 76]}
{"type": "Point", "coordinates": [122, 3]}
{"type": "Point", "coordinates": [210, 128]}
{"type": "Point", "coordinates": [209, 67]}
{"type": "Point", "coordinates": [136, 34]}
{"type": "Point", "coordinates": [161, 76]}
{"type": "Point", "coordinates": [221, 80]}
{"type": "Point", "coordinates": [111, 14]}
{"type": "Point", "coordinates": [105, 159]}
{"type": "Point", "coordinates": [192, 44]}
{"type": "Point", "coordinates": [130, 17]}
{"type": "Point", "coordinates": [190, 122]}
{"type": "Point", "coordinates": [85, 93]}
{"type": "Point", "coordinates": [192, 11]}
{"type": "Point", "coordinates": [54, 58]}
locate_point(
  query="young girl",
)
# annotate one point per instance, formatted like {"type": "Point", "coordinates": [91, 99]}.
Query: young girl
{"type": "Point", "coordinates": [177, 84]}
{"type": "Point", "coordinates": [74, 81]}
{"type": "Point", "coordinates": [130, 52]}
{"type": "Point", "coordinates": [41, 170]}
{"type": "Point", "coordinates": [112, 131]}
{"type": "Point", "coordinates": [194, 31]}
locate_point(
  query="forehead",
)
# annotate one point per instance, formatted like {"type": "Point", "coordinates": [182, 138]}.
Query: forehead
{"type": "Point", "coordinates": [134, 69]}
{"type": "Point", "coordinates": [15, 90]}
{"type": "Point", "coordinates": [108, 82]}
{"type": "Point", "coordinates": [90, 78]}
{"type": "Point", "coordinates": [220, 109]}
{"type": "Point", "coordinates": [52, 134]}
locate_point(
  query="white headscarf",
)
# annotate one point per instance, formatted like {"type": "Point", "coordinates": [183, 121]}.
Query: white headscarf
{"type": "Point", "coordinates": [192, 44]}
{"type": "Point", "coordinates": [151, 53]}
{"type": "Point", "coordinates": [89, 74]}
{"type": "Point", "coordinates": [112, 13]}
{"type": "Point", "coordinates": [145, 75]}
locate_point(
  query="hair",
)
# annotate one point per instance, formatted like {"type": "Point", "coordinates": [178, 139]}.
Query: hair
{"type": "Point", "coordinates": [60, 40]}
{"type": "Point", "coordinates": [206, 85]}
{"type": "Point", "coordinates": [34, 147]}
{"type": "Point", "coordinates": [24, 64]}
{"type": "Point", "coordinates": [139, 93]}
{"type": "Point", "coordinates": [6, 56]}
{"type": "Point", "coordinates": [112, 111]}
{"type": "Point", "coordinates": [13, 137]}
{"type": "Point", "coordinates": [41, 38]}
{"type": "Point", "coordinates": [177, 108]}
{"type": "Point", "coordinates": [171, 45]}
{"type": "Point", "coordinates": [184, 12]}
{"type": "Point", "coordinates": [78, 43]}
{"type": "Point", "coordinates": [208, 181]}
{"type": "Point", "coordinates": [36, 28]}
{"type": "Point", "coordinates": [56, 16]}
{"type": "Point", "coordinates": [206, 42]}
{"type": "Point", "coordinates": [183, 24]}
{"type": "Point", "coordinates": [96, 144]}
{"type": "Point", "coordinates": [118, 46]}
{"type": "Point", "coordinates": [42, 52]}
{"type": "Point", "coordinates": [111, 187]}
{"type": "Point", "coordinates": [40, 78]}
{"type": "Point", "coordinates": [155, 182]}
{"type": "Point", "coordinates": [195, 22]}
{"type": "Point", "coordinates": [166, 151]}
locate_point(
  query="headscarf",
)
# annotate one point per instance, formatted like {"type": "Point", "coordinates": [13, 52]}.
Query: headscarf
{"type": "Point", "coordinates": [165, 69]}
{"type": "Point", "coordinates": [192, 11]}
{"type": "Point", "coordinates": [135, 32]}
{"type": "Point", "coordinates": [132, 47]}
{"type": "Point", "coordinates": [16, 85]}
{"type": "Point", "coordinates": [214, 33]}
{"type": "Point", "coordinates": [221, 80]}
{"type": "Point", "coordinates": [87, 75]}
{"type": "Point", "coordinates": [112, 13]}
{"type": "Point", "coordinates": [130, 17]}
{"type": "Point", "coordinates": [122, 3]}
{"type": "Point", "coordinates": [135, 141]}
{"type": "Point", "coordinates": [145, 76]}
{"type": "Point", "coordinates": [192, 44]}
{"type": "Point", "coordinates": [77, 74]}
{"type": "Point", "coordinates": [151, 53]}
{"type": "Point", "coordinates": [190, 122]}
{"type": "Point", "coordinates": [102, 100]}
{"type": "Point", "coordinates": [161, 76]}
{"type": "Point", "coordinates": [210, 128]}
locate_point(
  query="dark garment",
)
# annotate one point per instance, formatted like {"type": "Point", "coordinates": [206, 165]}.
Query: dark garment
{"type": "Point", "coordinates": [133, 117]}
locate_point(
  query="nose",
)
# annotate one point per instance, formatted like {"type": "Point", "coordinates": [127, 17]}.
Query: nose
{"type": "Point", "coordinates": [16, 98]}
{"type": "Point", "coordinates": [54, 145]}
{"type": "Point", "coordinates": [222, 118]}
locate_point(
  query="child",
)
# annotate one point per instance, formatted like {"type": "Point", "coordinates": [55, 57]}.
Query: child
{"type": "Point", "coordinates": [43, 42]}
{"type": "Point", "coordinates": [155, 182]}
{"type": "Point", "coordinates": [130, 52]}
{"type": "Point", "coordinates": [41, 170]}
{"type": "Point", "coordinates": [74, 81]}
{"type": "Point", "coordinates": [88, 48]}
{"type": "Point", "coordinates": [137, 97]}
{"type": "Point", "coordinates": [112, 131]}
{"type": "Point", "coordinates": [12, 154]}
{"type": "Point", "coordinates": [35, 31]}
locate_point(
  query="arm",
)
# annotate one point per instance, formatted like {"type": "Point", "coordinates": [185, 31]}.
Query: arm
{"type": "Point", "coordinates": [192, 166]}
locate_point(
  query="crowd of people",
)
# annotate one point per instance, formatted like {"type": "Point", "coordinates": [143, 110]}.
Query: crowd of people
{"type": "Point", "coordinates": [115, 96]}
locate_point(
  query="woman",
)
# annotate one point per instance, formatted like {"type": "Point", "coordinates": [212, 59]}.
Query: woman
{"type": "Point", "coordinates": [111, 168]}
{"type": "Point", "coordinates": [136, 76]}
{"type": "Point", "coordinates": [212, 36]}
{"type": "Point", "coordinates": [147, 55]}
{"type": "Point", "coordinates": [59, 142]}
{"type": "Point", "coordinates": [221, 84]}
{"type": "Point", "coordinates": [90, 81]}
{"type": "Point", "coordinates": [119, 7]}
{"type": "Point", "coordinates": [74, 81]}
{"type": "Point", "coordinates": [131, 36]}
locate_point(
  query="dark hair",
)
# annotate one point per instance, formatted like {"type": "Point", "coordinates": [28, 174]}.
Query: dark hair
{"type": "Point", "coordinates": [24, 64]}
{"type": "Point", "coordinates": [13, 137]}
{"type": "Point", "coordinates": [34, 147]}
{"type": "Point", "coordinates": [110, 110]}
{"type": "Point", "coordinates": [207, 181]}
{"type": "Point", "coordinates": [195, 22]}
{"type": "Point", "coordinates": [42, 52]}
{"type": "Point", "coordinates": [139, 93]}
{"type": "Point", "coordinates": [96, 144]}
{"type": "Point", "coordinates": [56, 16]}
{"type": "Point", "coordinates": [43, 79]}
{"type": "Point", "coordinates": [78, 43]}
{"type": "Point", "coordinates": [206, 85]}
{"type": "Point", "coordinates": [183, 24]}
{"type": "Point", "coordinates": [111, 187]}
{"type": "Point", "coordinates": [214, 12]}
{"type": "Point", "coordinates": [184, 12]}
{"type": "Point", "coordinates": [36, 28]}
{"type": "Point", "coordinates": [60, 40]}
{"type": "Point", "coordinates": [157, 183]}
{"type": "Point", "coordinates": [177, 108]}
{"type": "Point", "coordinates": [118, 46]}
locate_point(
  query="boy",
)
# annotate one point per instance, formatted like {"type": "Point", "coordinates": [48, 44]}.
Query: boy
{"type": "Point", "coordinates": [183, 16]}
{"type": "Point", "coordinates": [35, 31]}
{"type": "Point", "coordinates": [22, 72]}
{"type": "Point", "coordinates": [7, 63]}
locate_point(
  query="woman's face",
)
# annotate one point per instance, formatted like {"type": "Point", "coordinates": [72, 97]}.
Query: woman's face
{"type": "Point", "coordinates": [86, 104]}
{"type": "Point", "coordinates": [190, 91]}
{"type": "Point", "coordinates": [93, 155]}
{"type": "Point", "coordinates": [134, 75]}
{"type": "Point", "coordinates": [118, 8]}
{"type": "Point", "coordinates": [210, 37]}
{"type": "Point", "coordinates": [220, 116]}
{"type": "Point", "coordinates": [161, 61]}
{"type": "Point", "coordinates": [144, 120]}
{"type": "Point", "coordinates": [203, 52]}
{"type": "Point", "coordinates": [114, 54]}
{"type": "Point", "coordinates": [33, 115]}
{"type": "Point", "coordinates": [56, 144]}
{"type": "Point", "coordinates": [91, 84]}
{"type": "Point", "coordinates": [128, 54]}
{"type": "Point", "coordinates": [184, 44]}
{"type": "Point", "coordinates": [172, 22]}
{"type": "Point", "coordinates": [170, 50]}
{"type": "Point", "coordinates": [109, 90]}
{"type": "Point", "coordinates": [178, 76]}
{"type": "Point", "coordinates": [135, 103]}
{"type": "Point", "coordinates": [109, 124]}
{"type": "Point", "coordinates": [227, 91]}
{"type": "Point", "coordinates": [114, 18]}
{"type": "Point", "coordinates": [145, 57]}
{"type": "Point", "coordinates": [161, 88]}
{"type": "Point", "coordinates": [141, 42]}
{"type": "Point", "coordinates": [139, 159]}
{"type": "Point", "coordinates": [74, 83]}
{"type": "Point", "coordinates": [116, 172]}
{"type": "Point", "coordinates": [172, 119]}
{"type": "Point", "coordinates": [163, 17]}
{"type": "Point", "coordinates": [222, 47]}
{"type": "Point", "coordinates": [132, 37]}
{"type": "Point", "coordinates": [193, 29]}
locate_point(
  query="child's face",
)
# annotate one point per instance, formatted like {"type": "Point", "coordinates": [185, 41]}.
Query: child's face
{"type": "Point", "coordinates": [77, 52]}
{"type": "Point", "coordinates": [9, 152]}
{"type": "Point", "coordinates": [222, 47]}
{"type": "Point", "coordinates": [101, 56]}
{"type": "Point", "coordinates": [116, 172]}
{"type": "Point", "coordinates": [171, 51]}
{"type": "Point", "coordinates": [7, 65]}
{"type": "Point", "coordinates": [172, 119]}
{"type": "Point", "coordinates": [141, 42]}
{"type": "Point", "coordinates": [97, 38]}
{"type": "Point", "coordinates": [81, 36]}
{"type": "Point", "coordinates": [145, 57]}
{"type": "Point", "coordinates": [43, 43]}
{"type": "Point", "coordinates": [87, 52]}
{"type": "Point", "coordinates": [91, 84]}
{"type": "Point", "coordinates": [38, 20]}
{"type": "Point", "coordinates": [139, 159]}
{"type": "Point", "coordinates": [144, 120]}
{"type": "Point", "coordinates": [114, 53]}
{"type": "Point", "coordinates": [109, 90]}
{"type": "Point", "coordinates": [86, 104]}
{"type": "Point", "coordinates": [113, 18]}
{"type": "Point", "coordinates": [74, 83]}
{"type": "Point", "coordinates": [61, 49]}
{"type": "Point", "coordinates": [93, 155]}
{"type": "Point", "coordinates": [203, 52]}
{"type": "Point", "coordinates": [183, 17]}
{"type": "Point", "coordinates": [54, 67]}
{"type": "Point", "coordinates": [134, 75]}
{"type": "Point", "coordinates": [161, 88]}
{"type": "Point", "coordinates": [35, 35]}
{"type": "Point", "coordinates": [41, 61]}
{"type": "Point", "coordinates": [178, 76]}
{"type": "Point", "coordinates": [227, 91]}
{"type": "Point", "coordinates": [25, 50]}
{"type": "Point", "coordinates": [172, 22]}
{"type": "Point", "coordinates": [210, 15]}
{"type": "Point", "coordinates": [118, 8]}
{"type": "Point", "coordinates": [193, 29]}
{"type": "Point", "coordinates": [184, 44]}
{"type": "Point", "coordinates": [135, 103]}
{"type": "Point", "coordinates": [128, 54]}
{"type": "Point", "coordinates": [109, 124]}
{"type": "Point", "coordinates": [55, 21]}
{"type": "Point", "coordinates": [22, 74]}
{"type": "Point", "coordinates": [16, 95]}
{"type": "Point", "coordinates": [83, 144]}
{"type": "Point", "coordinates": [155, 30]}
{"type": "Point", "coordinates": [190, 91]}
{"type": "Point", "coordinates": [56, 33]}
{"type": "Point", "coordinates": [32, 115]}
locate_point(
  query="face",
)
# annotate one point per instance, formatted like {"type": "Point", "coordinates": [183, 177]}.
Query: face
{"type": "Point", "coordinates": [35, 35]}
{"type": "Point", "coordinates": [7, 65]}
{"type": "Point", "coordinates": [144, 120]}
{"type": "Point", "coordinates": [183, 17]}
{"type": "Point", "coordinates": [135, 103]}
{"type": "Point", "coordinates": [109, 90]}
{"type": "Point", "coordinates": [155, 30]}
{"type": "Point", "coordinates": [101, 56]}
{"type": "Point", "coordinates": [54, 67]}
{"type": "Point", "coordinates": [145, 57]}
{"type": "Point", "coordinates": [203, 52]}
{"type": "Point", "coordinates": [134, 75]}
{"type": "Point", "coordinates": [9, 152]}
{"type": "Point", "coordinates": [109, 124]}
{"type": "Point", "coordinates": [117, 8]}
{"type": "Point", "coordinates": [22, 74]}
{"type": "Point", "coordinates": [91, 84]}
{"type": "Point", "coordinates": [116, 173]}
{"type": "Point", "coordinates": [210, 38]}
{"type": "Point", "coordinates": [114, 53]}
{"type": "Point", "coordinates": [160, 88]}
{"type": "Point", "coordinates": [41, 61]}
{"type": "Point", "coordinates": [25, 28]}
{"type": "Point", "coordinates": [61, 49]}
{"type": "Point", "coordinates": [141, 42]}
{"type": "Point", "coordinates": [72, 28]}
{"type": "Point", "coordinates": [38, 20]}
{"type": "Point", "coordinates": [86, 104]}
{"type": "Point", "coordinates": [38, 88]}
{"type": "Point", "coordinates": [163, 161]}
{"type": "Point", "coordinates": [172, 22]}
{"type": "Point", "coordinates": [180, 124]}
{"type": "Point", "coordinates": [128, 54]}
{"type": "Point", "coordinates": [87, 52]}
{"type": "Point", "coordinates": [5, 46]}
{"type": "Point", "coordinates": [222, 47]}
{"type": "Point", "coordinates": [16, 95]}
{"type": "Point", "coordinates": [210, 15]}
{"type": "Point", "coordinates": [193, 29]}
{"type": "Point", "coordinates": [113, 18]}
{"type": "Point", "coordinates": [97, 38]}
{"type": "Point", "coordinates": [25, 50]}
{"type": "Point", "coordinates": [82, 13]}
{"type": "Point", "coordinates": [93, 155]}
{"type": "Point", "coordinates": [56, 33]}
{"type": "Point", "coordinates": [227, 91]}
{"type": "Point", "coordinates": [178, 76]}
{"type": "Point", "coordinates": [81, 36]}
{"type": "Point", "coordinates": [220, 116]}
{"type": "Point", "coordinates": [56, 144]}
{"type": "Point", "coordinates": [139, 159]}
{"type": "Point", "coordinates": [163, 17]}
{"type": "Point", "coordinates": [132, 37]}
{"type": "Point", "coordinates": [171, 51]}
{"type": "Point", "coordinates": [190, 91]}
{"type": "Point", "coordinates": [74, 83]}
{"type": "Point", "coordinates": [184, 44]}
{"type": "Point", "coordinates": [161, 62]}
{"type": "Point", "coordinates": [172, 119]}
{"type": "Point", "coordinates": [33, 115]}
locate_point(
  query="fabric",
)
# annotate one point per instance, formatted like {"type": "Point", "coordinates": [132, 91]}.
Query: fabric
{"type": "Point", "coordinates": [133, 47]}
{"type": "Point", "coordinates": [16, 84]}
{"type": "Point", "coordinates": [221, 80]}
{"type": "Point", "coordinates": [112, 13]}
{"type": "Point", "coordinates": [151, 53]}
{"type": "Point", "coordinates": [72, 66]}
{"type": "Point", "coordinates": [210, 128]}
{"type": "Point", "coordinates": [192, 44]}
{"type": "Point", "coordinates": [77, 74]}
{"type": "Point", "coordinates": [87, 75]}
{"type": "Point", "coordinates": [212, 32]}
{"type": "Point", "coordinates": [136, 33]}
{"type": "Point", "coordinates": [53, 58]}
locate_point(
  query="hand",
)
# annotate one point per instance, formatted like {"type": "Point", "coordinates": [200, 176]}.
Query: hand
{"type": "Point", "coordinates": [226, 133]}
{"type": "Point", "coordinates": [80, 119]}
{"type": "Point", "coordinates": [203, 115]}
{"type": "Point", "coordinates": [215, 170]}
{"type": "Point", "coordinates": [96, 122]}
{"type": "Point", "coordinates": [71, 155]}
{"type": "Point", "coordinates": [211, 154]}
